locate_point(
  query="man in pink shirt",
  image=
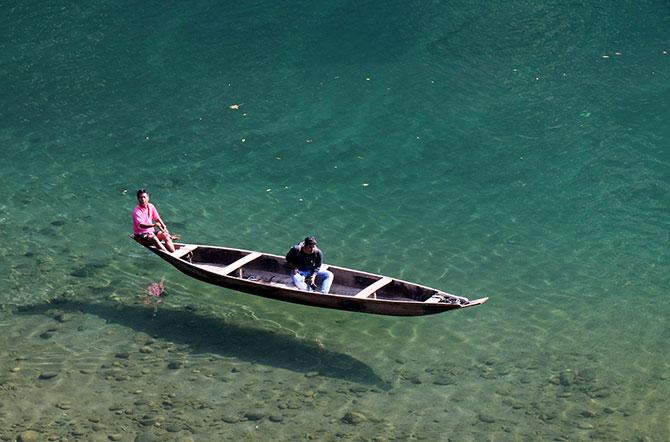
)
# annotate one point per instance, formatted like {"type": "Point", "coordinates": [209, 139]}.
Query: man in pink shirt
{"type": "Point", "coordinates": [145, 220]}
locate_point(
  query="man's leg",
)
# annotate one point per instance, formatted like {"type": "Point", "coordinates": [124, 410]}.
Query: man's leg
{"type": "Point", "coordinates": [168, 241]}
{"type": "Point", "coordinates": [157, 242]}
{"type": "Point", "coordinates": [299, 281]}
{"type": "Point", "coordinates": [326, 277]}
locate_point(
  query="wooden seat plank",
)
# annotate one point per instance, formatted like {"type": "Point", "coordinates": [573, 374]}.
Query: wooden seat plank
{"type": "Point", "coordinates": [367, 291]}
{"type": "Point", "coordinates": [239, 263]}
{"type": "Point", "coordinates": [181, 252]}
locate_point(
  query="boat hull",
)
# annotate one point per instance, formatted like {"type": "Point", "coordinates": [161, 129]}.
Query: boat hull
{"type": "Point", "coordinates": [314, 299]}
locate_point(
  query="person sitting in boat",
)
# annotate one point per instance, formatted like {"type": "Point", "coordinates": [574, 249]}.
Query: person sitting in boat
{"type": "Point", "coordinates": [305, 260]}
{"type": "Point", "coordinates": [148, 227]}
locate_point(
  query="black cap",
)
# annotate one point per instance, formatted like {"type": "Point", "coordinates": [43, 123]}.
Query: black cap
{"type": "Point", "coordinates": [309, 241]}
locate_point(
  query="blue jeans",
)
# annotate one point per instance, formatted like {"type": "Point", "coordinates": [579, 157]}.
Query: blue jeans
{"type": "Point", "coordinates": [323, 279]}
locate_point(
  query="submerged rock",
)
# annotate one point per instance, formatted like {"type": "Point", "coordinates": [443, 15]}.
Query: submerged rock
{"type": "Point", "coordinates": [566, 378]}
{"type": "Point", "coordinates": [146, 437]}
{"type": "Point", "coordinates": [588, 413]}
{"type": "Point", "coordinates": [63, 317]}
{"type": "Point", "coordinates": [48, 334]}
{"type": "Point", "coordinates": [48, 375]}
{"type": "Point", "coordinates": [254, 415]}
{"type": "Point", "coordinates": [230, 419]}
{"type": "Point", "coordinates": [174, 365]}
{"type": "Point", "coordinates": [173, 428]}
{"type": "Point", "coordinates": [443, 380]}
{"type": "Point", "coordinates": [486, 418]}
{"type": "Point", "coordinates": [354, 418]}
{"type": "Point", "coordinates": [28, 436]}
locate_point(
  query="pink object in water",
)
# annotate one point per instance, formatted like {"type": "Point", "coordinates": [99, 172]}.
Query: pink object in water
{"type": "Point", "coordinates": [154, 291]}
{"type": "Point", "coordinates": [156, 288]}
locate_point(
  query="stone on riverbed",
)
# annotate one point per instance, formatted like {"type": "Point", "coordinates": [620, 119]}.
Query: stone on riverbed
{"type": "Point", "coordinates": [354, 418]}
{"type": "Point", "coordinates": [48, 375]}
{"type": "Point", "coordinates": [28, 436]}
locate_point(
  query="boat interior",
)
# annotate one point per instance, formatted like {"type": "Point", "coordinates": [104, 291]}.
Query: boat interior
{"type": "Point", "coordinates": [273, 270]}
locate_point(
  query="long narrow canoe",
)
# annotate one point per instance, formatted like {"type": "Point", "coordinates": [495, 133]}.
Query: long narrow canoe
{"type": "Point", "coordinates": [267, 275]}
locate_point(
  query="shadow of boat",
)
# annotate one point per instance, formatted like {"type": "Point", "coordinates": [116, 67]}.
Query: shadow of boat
{"type": "Point", "coordinates": [212, 335]}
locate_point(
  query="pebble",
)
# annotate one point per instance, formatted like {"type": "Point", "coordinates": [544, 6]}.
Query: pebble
{"type": "Point", "coordinates": [254, 415]}
{"type": "Point", "coordinates": [354, 418]}
{"type": "Point", "coordinates": [148, 421]}
{"type": "Point", "coordinates": [146, 350]}
{"type": "Point", "coordinates": [359, 389]}
{"type": "Point", "coordinates": [174, 365]}
{"type": "Point", "coordinates": [548, 416]}
{"type": "Point", "coordinates": [167, 403]}
{"type": "Point", "coordinates": [28, 436]}
{"type": "Point", "coordinates": [122, 355]}
{"type": "Point", "coordinates": [48, 334]}
{"type": "Point", "coordinates": [585, 426]}
{"type": "Point", "coordinates": [275, 418]}
{"type": "Point", "coordinates": [443, 381]}
{"type": "Point", "coordinates": [146, 437]}
{"type": "Point", "coordinates": [115, 436]}
{"type": "Point", "coordinates": [566, 378]}
{"type": "Point", "coordinates": [230, 419]}
{"type": "Point", "coordinates": [602, 393]}
{"type": "Point", "coordinates": [63, 317]}
{"type": "Point", "coordinates": [48, 375]}
{"type": "Point", "coordinates": [486, 418]}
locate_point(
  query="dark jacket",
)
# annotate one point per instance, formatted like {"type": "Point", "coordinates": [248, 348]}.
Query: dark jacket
{"type": "Point", "coordinates": [304, 262]}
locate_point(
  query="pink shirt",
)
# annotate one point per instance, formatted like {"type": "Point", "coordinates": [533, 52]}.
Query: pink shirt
{"type": "Point", "coordinates": [140, 216]}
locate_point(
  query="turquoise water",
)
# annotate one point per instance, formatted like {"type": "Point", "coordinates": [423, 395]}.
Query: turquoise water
{"type": "Point", "coordinates": [516, 150]}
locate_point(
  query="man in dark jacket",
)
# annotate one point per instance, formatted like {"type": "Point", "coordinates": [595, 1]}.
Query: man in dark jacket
{"type": "Point", "coordinates": [305, 260]}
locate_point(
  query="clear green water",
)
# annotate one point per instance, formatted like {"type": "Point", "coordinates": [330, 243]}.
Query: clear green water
{"type": "Point", "coordinates": [516, 150]}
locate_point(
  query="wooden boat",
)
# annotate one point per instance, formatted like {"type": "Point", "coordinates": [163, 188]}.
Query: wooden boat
{"type": "Point", "coordinates": [267, 275]}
